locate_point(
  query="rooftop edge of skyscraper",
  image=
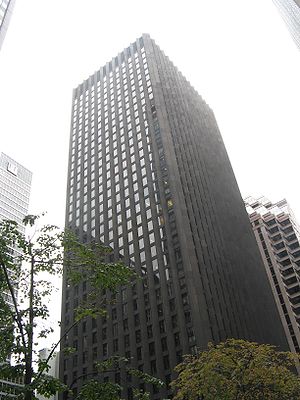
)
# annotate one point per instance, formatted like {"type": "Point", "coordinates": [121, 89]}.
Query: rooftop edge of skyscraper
{"type": "Point", "coordinates": [106, 68]}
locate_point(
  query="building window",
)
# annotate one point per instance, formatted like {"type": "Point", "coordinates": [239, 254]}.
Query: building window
{"type": "Point", "coordinates": [153, 367]}
{"type": "Point", "coordinates": [115, 345]}
{"type": "Point", "coordinates": [164, 345]}
{"type": "Point", "coordinates": [104, 349]}
{"type": "Point", "coordinates": [126, 341]}
{"type": "Point", "coordinates": [149, 332]}
{"type": "Point", "coordinates": [138, 336]}
{"type": "Point", "coordinates": [151, 349]}
{"type": "Point", "coordinates": [162, 326]}
{"type": "Point", "coordinates": [166, 362]}
{"type": "Point", "coordinates": [139, 353]}
{"type": "Point", "coordinates": [176, 339]}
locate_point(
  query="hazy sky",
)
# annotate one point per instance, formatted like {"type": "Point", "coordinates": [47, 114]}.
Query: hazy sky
{"type": "Point", "coordinates": [238, 54]}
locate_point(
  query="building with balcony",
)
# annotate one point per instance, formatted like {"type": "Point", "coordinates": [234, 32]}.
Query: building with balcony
{"type": "Point", "coordinates": [278, 237]}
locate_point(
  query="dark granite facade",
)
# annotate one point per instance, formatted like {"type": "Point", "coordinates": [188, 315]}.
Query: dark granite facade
{"type": "Point", "coordinates": [149, 176]}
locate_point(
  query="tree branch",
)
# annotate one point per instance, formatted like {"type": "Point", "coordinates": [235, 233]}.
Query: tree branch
{"type": "Point", "coordinates": [53, 350]}
{"type": "Point", "coordinates": [18, 318]}
{"type": "Point", "coordinates": [54, 347]}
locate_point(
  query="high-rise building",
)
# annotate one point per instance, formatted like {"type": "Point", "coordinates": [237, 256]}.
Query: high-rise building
{"type": "Point", "coordinates": [149, 176]}
{"type": "Point", "coordinates": [278, 236]}
{"type": "Point", "coordinates": [15, 184]}
{"type": "Point", "coordinates": [6, 8]}
{"type": "Point", "coordinates": [290, 12]}
{"type": "Point", "coordinates": [53, 370]}
{"type": "Point", "coordinates": [10, 388]}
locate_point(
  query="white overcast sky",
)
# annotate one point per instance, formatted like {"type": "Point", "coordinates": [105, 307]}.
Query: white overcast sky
{"type": "Point", "coordinates": [238, 54]}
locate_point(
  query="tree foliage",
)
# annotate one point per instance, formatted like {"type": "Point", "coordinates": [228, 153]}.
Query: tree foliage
{"type": "Point", "coordinates": [112, 391]}
{"type": "Point", "coordinates": [25, 264]}
{"type": "Point", "coordinates": [237, 370]}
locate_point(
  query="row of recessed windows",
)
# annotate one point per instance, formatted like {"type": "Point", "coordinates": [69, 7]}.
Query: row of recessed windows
{"type": "Point", "coordinates": [108, 133]}
{"type": "Point", "coordinates": [119, 99]}
{"type": "Point", "coordinates": [124, 165]}
{"type": "Point", "coordinates": [115, 157]}
{"type": "Point", "coordinates": [116, 171]}
{"type": "Point", "coordinates": [117, 190]}
{"type": "Point", "coordinates": [124, 162]}
{"type": "Point", "coordinates": [112, 84]}
{"type": "Point", "coordinates": [111, 114]}
{"type": "Point", "coordinates": [116, 72]}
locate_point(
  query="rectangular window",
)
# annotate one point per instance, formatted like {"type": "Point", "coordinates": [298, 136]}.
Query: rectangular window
{"type": "Point", "coordinates": [164, 345]}
{"type": "Point", "coordinates": [139, 353]}
{"type": "Point", "coordinates": [138, 336]}
{"type": "Point", "coordinates": [125, 324]}
{"type": "Point", "coordinates": [176, 339]}
{"type": "Point", "coordinates": [126, 341]}
{"type": "Point", "coordinates": [166, 362]}
{"type": "Point", "coordinates": [149, 332]}
{"type": "Point", "coordinates": [115, 345]}
{"type": "Point", "coordinates": [136, 320]}
{"type": "Point", "coordinates": [105, 349]}
{"type": "Point", "coordinates": [151, 349]}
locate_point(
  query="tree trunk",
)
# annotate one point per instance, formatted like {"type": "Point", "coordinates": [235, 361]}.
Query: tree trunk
{"type": "Point", "coordinates": [28, 362]}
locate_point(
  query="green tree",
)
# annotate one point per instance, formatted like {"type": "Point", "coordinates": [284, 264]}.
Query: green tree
{"type": "Point", "coordinates": [25, 264]}
{"type": "Point", "coordinates": [95, 389]}
{"type": "Point", "coordinates": [237, 370]}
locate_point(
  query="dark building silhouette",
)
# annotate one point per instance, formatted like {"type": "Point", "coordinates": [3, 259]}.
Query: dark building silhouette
{"type": "Point", "coordinates": [6, 8]}
{"type": "Point", "coordinates": [149, 176]}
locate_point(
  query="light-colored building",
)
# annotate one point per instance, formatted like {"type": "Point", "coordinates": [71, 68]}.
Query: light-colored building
{"type": "Point", "coordinates": [10, 388]}
{"type": "Point", "coordinates": [290, 12]}
{"type": "Point", "coordinates": [6, 8]}
{"type": "Point", "coordinates": [278, 236]}
{"type": "Point", "coordinates": [15, 184]}
{"type": "Point", "coordinates": [53, 370]}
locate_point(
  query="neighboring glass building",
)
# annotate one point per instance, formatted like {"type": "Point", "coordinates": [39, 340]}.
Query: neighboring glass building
{"type": "Point", "coordinates": [53, 370]}
{"type": "Point", "coordinates": [9, 389]}
{"type": "Point", "coordinates": [149, 176]}
{"type": "Point", "coordinates": [15, 183]}
{"type": "Point", "coordinates": [278, 236]}
{"type": "Point", "coordinates": [6, 8]}
{"type": "Point", "coordinates": [290, 12]}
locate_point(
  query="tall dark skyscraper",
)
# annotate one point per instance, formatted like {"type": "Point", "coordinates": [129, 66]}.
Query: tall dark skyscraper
{"type": "Point", "coordinates": [149, 176]}
{"type": "Point", "coordinates": [6, 8]}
